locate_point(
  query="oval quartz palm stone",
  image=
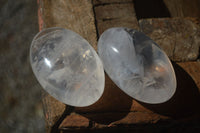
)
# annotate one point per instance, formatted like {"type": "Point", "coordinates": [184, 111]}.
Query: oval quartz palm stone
{"type": "Point", "coordinates": [67, 67]}
{"type": "Point", "coordinates": [137, 65]}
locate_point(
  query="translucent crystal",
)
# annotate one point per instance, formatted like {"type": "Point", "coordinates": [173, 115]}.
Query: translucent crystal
{"type": "Point", "coordinates": [67, 67]}
{"type": "Point", "coordinates": [137, 65]}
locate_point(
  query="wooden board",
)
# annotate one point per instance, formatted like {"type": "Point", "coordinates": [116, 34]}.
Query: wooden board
{"type": "Point", "coordinates": [115, 109]}
{"type": "Point", "coordinates": [115, 15]}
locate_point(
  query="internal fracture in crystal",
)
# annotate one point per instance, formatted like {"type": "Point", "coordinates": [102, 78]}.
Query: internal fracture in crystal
{"type": "Point", "coordinates": [137, 65]}
{"type": "Point", "coordinates": [67, 67]}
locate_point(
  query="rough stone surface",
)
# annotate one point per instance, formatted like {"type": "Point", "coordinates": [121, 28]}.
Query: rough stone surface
{"type": "Point", "coordinates": [178, 37]}
{"type": "Point", "coordinates": [67, 67]}
{"type": "Point", "coordinates": [137, 65]}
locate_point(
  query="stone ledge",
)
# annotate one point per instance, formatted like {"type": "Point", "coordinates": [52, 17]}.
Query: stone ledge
{"type": "Point", "coordinates": [122, 110]}
{"type": "Point", "coordinates": [178, 37]}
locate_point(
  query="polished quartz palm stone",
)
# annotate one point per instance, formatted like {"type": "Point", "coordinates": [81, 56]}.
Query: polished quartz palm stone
{"type": "Point", "coordinates": [67, 67]}
{"type": "Point", "coordinates": [137, 65]}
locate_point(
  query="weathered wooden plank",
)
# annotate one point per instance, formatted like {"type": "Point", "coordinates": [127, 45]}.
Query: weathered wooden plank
{"type": "Point", "coordinates": [178, 37]}
{"type": "Point", "coordinates": [114, 108]}
{"type": "Point", "coordinates": [76, 15]}
{"type": "Point", "coordinates": [115, 15]}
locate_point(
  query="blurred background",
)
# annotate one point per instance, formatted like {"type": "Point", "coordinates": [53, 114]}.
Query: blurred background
{"type": "Point", "coordinates": [20, 103]}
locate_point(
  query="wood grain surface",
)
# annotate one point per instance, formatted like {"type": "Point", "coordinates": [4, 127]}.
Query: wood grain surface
{"type": "Point", "coordinates": [115, 109]}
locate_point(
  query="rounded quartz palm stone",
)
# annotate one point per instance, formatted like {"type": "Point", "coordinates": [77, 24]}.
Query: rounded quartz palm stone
{"type": "Point", "coordinates": [137, 65]}
{"type": "Point", "coordinates": [67, 67]}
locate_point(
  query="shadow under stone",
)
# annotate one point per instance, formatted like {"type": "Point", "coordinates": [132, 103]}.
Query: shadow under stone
{"type": "Point", "coordinates": [113, 105]}
{"type": "Point", "coordinates": [185, 101]}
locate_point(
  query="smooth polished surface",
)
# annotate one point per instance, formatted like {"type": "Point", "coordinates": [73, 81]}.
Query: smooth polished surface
{"type": "Point", "coordinates": [137, 65]}
{"type": "Point", "coordinates": [67, 67]}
